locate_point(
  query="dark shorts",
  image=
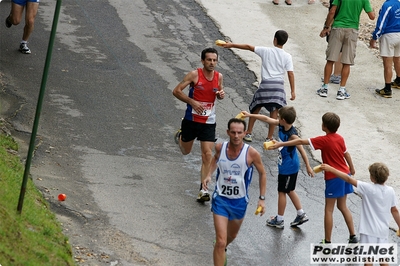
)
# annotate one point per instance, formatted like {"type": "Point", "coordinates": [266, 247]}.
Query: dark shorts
{"type": "Point", "coordinates": [337, 188]}
{"type": "Point", "coordinates": [269, 106]}
{"type": "Point", "coordinates": [287, 183]}
{"type": "Point", "coordinates": [192, 130]}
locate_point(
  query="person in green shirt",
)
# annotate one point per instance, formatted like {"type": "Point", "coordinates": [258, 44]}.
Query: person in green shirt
{"type": "Point", "coordinates": [342, 25]}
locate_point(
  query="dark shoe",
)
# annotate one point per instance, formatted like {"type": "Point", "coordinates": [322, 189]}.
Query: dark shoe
{"type": "Point", "coordinates": [177, 136]}
{"type": "Point", "coordinates": [384, 93]}
{"type": "Point", "coordinates": [335, 79]}
{"type": "Point", "coordinates": [395, 84]}
{"type": "Point", "coordinates": [8, 22]}
{"type": "Point", "coordinates": [353, 240]}
{"type": "Point", "coordinates": [289, 4]}
{"type": "Point", "coordinates": [275, 3]}
{"type": "Point", "coordinates": [300, 219]}
{"type": "Point", "coordinates": [273, 221]}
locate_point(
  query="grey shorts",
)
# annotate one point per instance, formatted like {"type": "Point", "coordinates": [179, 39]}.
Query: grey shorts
{"type": "Point", "coordinates": [342, 40]}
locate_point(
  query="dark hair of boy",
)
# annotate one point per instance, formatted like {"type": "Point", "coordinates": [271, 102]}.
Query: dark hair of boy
{"type": "Point", "coordinates": [281, 37]}
{"type": "Point", "coordinates": [331, 121]}
{"type": "Point", "coordinates": [287, 113]}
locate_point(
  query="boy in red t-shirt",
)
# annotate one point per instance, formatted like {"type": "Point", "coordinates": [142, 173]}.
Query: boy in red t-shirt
{"type": "Point", "coordinates": [333, 152]}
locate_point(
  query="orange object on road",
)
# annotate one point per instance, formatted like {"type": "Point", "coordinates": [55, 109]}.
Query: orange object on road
{"type": "Point", "coordinates": [62, 197]}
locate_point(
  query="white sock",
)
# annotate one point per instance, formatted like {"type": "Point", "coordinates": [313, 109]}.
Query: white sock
{"type": "Point", "coordinates": [279, 218]}
{"type": "Point", "coordinates": [300, 212]}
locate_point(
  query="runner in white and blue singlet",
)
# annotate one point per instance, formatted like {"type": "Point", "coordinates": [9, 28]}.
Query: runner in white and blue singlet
{"type": "Point", "coordinates": [234, 161]}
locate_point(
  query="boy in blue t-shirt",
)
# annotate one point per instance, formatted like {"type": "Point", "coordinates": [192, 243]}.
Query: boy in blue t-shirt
{"type": "Point", "coordinates": [288, 165]}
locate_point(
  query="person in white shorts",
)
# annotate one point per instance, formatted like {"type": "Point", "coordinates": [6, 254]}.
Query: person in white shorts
{"type": "Point", "coordinates": [377, 205]}
{"type": "Point", "coordinates": [387, 30]}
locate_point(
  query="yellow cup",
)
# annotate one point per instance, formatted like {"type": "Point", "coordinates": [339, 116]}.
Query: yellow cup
{"type": "Point", "coordinates": [317, 169]}
{"type": "Point", "coordinates": [268, 144]}
{"type": "Point", "coordinates": [259, 209]}
{"type": "Point", "coordinates": [398, 232]}
{"type": "Point", "coordinates": [240, 116]}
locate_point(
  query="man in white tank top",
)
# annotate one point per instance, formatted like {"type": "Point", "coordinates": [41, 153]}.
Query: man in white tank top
{"type": "Point", "coordinates": [234, 160]}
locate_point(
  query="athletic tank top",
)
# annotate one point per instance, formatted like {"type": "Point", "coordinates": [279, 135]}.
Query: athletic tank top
{"type": "Point", "coordinates": [203, 91]}
{"type": "Point", "coordinates": [233, 176]}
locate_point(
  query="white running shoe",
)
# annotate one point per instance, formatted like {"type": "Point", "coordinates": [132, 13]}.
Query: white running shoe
{"type": "Point", "coordinates": [23, 47]}
{"type": "Point", "coordinates": [323, 91]}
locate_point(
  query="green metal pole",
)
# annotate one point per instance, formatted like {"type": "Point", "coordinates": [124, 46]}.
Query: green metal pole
{"type": "Point", "coordinates": [39, 107]}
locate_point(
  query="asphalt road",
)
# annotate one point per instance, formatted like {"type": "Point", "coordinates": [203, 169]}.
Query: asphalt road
{"type": "Point", "coordinates": [106, 136]}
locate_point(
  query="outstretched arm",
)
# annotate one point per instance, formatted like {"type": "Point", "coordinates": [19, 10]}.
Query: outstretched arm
{"type": "Point", "coordinates": [263, 118]}
{"type": "Point", "coordinates": [294, 142]}
{"type": "Point", "coordinates": [238, 46]}
{"type": "Point", "coordinates": [340, 174]}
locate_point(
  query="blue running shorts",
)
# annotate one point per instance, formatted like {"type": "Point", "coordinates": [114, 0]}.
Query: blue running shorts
{"type": "Point", "coordinates": [233, 209]}
{"type": "Point", "coordinates": [23, 2]}
{"type": "Point", "coordinates": [337, 188]}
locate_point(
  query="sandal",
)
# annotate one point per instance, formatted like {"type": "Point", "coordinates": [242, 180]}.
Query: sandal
{"type": "Point", "coordinates": [288, 3]}
{"type": "Point", "coordinates": [275, 3]}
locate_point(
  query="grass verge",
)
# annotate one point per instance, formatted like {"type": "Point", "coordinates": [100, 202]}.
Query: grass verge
{"type": "Point", "coordinates": [33, 237]}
